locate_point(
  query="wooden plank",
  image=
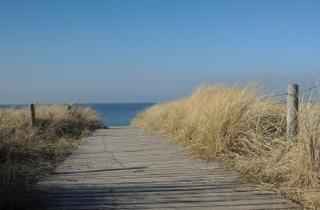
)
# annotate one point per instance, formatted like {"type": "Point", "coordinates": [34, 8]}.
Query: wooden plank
{"type": "Point", "coordinates": [123, 168]}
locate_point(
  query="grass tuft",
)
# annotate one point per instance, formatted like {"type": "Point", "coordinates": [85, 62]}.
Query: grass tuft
{"type": "Point", "coordinates": [28, 153]}
{"type": "Point", "coordinates": [249, 132]}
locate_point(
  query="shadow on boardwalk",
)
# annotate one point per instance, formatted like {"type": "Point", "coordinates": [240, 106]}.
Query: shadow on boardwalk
{"type": "Point", "coordinates": [160, 196]}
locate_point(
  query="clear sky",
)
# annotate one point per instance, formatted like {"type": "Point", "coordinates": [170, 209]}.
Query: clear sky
{"type": "Point", "coordinates": [152, 50]}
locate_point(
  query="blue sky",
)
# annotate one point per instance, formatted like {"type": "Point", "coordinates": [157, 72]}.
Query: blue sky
{"type": "Point", "coordinates": [152, 50]}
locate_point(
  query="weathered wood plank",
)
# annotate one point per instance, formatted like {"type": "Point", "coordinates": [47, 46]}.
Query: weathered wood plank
{"type": "Point", "coordinates": [123, 168]}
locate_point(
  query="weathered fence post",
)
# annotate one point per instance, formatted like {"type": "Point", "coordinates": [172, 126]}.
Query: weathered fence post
{"type": "Point", "coordinates": [69, 107]}
{"type": "Point", "coordinates": [292, 111]}
{"type": "Point", "coordinates": [33, 115]}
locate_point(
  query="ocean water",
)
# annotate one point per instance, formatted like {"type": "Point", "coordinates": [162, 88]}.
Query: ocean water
{"type": "Point", "coordinates": [119, 114]}
{"type": "Point", "coordinates": [112, 114]}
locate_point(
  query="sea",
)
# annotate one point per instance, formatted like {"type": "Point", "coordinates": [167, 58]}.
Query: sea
{"type": "Point", "coordinates": [112, 114]}
{"type": "Point", "coordinates": [119, 114]}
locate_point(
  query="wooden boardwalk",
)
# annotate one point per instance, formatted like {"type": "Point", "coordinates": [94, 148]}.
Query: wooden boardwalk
{"type": "Point", "coordinates": [123, 168]}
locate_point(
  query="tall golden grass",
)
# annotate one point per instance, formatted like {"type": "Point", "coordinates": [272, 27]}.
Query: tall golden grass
{"type": "Point", "coordinates": [28, 153]}
{"type": "Point", "coordinates": [237, 125]}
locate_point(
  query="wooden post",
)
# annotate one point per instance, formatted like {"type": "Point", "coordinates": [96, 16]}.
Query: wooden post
{"type": "Point", "coordinates": [292, 112]}
{"type": "Point", "coordinates": [33, 115]}
{"type": "Point", "coordinates": [69, 107]}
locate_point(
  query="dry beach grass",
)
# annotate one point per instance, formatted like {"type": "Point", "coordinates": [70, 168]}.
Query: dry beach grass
{"type": "Point", "coordinates": [27, 153]}
{"type": "Point", "coordinates": [249, 133]}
